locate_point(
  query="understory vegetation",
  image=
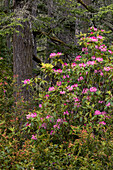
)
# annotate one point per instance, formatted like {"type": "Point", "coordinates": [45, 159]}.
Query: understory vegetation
{"type": "Point", "coordinates": [68, 122]}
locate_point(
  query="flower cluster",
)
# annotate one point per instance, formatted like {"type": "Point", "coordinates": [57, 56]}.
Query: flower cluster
{"type": "Point", "coordinates": [27, 81]}
{"type": "Point", "coordinates": [31, 115]}
{"type": "Point", "coordinates": [78, 94]}
{"type": "Point", "coordinates": [55, 54]}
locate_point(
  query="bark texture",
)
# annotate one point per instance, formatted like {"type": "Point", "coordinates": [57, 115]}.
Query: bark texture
{"type": "Point", "coordinates": [22, 51]}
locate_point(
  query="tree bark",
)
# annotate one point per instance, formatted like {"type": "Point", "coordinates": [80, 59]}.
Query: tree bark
{"type": "Point", "coordinates": [85, 23]}
{"type": "Point", "coordinates": [22, 52]}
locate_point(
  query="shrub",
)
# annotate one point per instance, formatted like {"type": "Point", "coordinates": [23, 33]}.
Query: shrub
{"type": "Point", "coordinates": [72, 127]}
{"type": "Point", "coordinates": [15, 146]}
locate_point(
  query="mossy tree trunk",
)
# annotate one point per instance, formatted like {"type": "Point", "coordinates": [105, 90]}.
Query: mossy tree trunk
{"type": "Point", "coordinates": [22, 50]}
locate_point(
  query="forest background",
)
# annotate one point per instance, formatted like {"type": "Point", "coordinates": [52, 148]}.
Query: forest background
{"type": "Point", "coordinates": [32, 33]}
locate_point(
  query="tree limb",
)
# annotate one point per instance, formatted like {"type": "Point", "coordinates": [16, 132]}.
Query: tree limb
{"type": "Point", "coordinates": [92, 10]}
{"type": "Point", "coordinates": [83, 4]}
{"type": "Point", "coordinates": [109, 25]}
{"type": "Point", "coordinates": [52, 38]}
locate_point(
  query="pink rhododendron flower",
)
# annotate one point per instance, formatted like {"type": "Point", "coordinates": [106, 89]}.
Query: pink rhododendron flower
{"type": "Point", "coordinates": [103, 48]}
{"type": "Point", "coordinates": [78, 56]}
{"type": "Point", "coordinates": [77, 104]}
{"type": "Point", "coordinates": [95, 71]}
{"type": "Point", "coordinates": [80, 78]}
{"type": "Point", "coordinates": [97, 112]}
{"type": "Point", "coordinates": [95, 29]}
{"type": "Point", "coordinates": [85, 90]}
{"type": "Point", "coordinates": [65, 64]}
{"type": "Point", "coordinates": [76, 100]}
{"type": "Point", "coordinates": [28, 116]}
{"type": "Point", "coordinates": [42, 118]}
{"type": "Point", "coordinates": [64, 77]}
{"type": "Point", "coordinates": [108, 104]}
{"type": "Point", "coordinates": [27, 81]}
{"type": "Point", "coordinates": [94, 39]}
{"type": "Point", "coordinates": [52, 55]}
{"type": "Point", "coordinates": [40, 105]}
{"type": "Point", "coordinates": [107, 68]}
{"type": "Point", "coordinates": [31, 115]}
{"type": "Point", "coordinates": [44, 125]}
{"type": "Point", "coordinates": [111, 52]}
{"type": "Point", "coordinates": [93, 57]}
{"type": "Point", "coordinates": [101, 74]}
{"type": "Point", "coordinates": [73, 65]}
{"type": "Point", "coordinates": [59, 120]}
{"type": "Point", "coordinates": [46, 96]}
{"type": "Point", "coordinates": [34, 137]}
{"type": "Point", "coordinates": [56, 126]}
{"type": "Point", "coordinates": [96, 46]}
{"type": "Point", "coordinates": [58, 83]}
{"type": "Point", "coordinates": [57, 71]}
{"type": "Point", "coordinates": [62, 92]}
{"type": "Point", "coordinates": [59, 53]}
{"type": "Point", "coordinates": [66, 113]}
{"type": "Point", "coordinates": [70, 88]}
{"type": "Point", "coordinates": [90, 63]}
{"type": "Point", "coordinates": [51, 132]}
{"type": "Point", "coordinates": [51, 89]}
{"type": "Point", "coordinates": [48, 116]}
{"type": "Point", "coordinates": [85, 49]}
{"type": "Point", "coordinates": [82, 65]}
{"type": "Point", "coordinates": [100, 37]}
{"type": "Point", "coordinates": [100, 101]}
{"type": "Point", "coordinates": [103, 113]}
{"type": "Point", "coordinates": [102, 123]}
{"type": "Point", "coordinates": [99, 59]}
{"type": "Point", "coordinates": [67, 76]}
{"type": "Point", "coordinates": [28, 124]}
{"type": "Point", "coordinates": [77, 59]}
{"type": "Point", "coordinates": [75, 85]}
{"type": "Point", "coordinates": [93, 89]}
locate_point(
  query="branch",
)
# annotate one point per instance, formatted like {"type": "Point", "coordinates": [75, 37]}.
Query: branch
{"type": "Point", "coordinates": [89, 8]}
{"type": "Point", "coordinates": [92, 10]}
{"type": "Point", "coordinates": [109, 25]}
{"type": "Point", "coordinates": [52, 38]}
{"type": "Point", "coordinates": [36, 59]}
{"type": "Point", "coordinates": [83, 4]}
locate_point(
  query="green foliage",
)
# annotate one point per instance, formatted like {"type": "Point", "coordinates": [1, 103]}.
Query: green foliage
{"type": "Point", "coordinates": [15, 150]}
{"type": "Point", "coordinates": [71, 124]}
{"type": "Point", "coordinates": [72, 127]}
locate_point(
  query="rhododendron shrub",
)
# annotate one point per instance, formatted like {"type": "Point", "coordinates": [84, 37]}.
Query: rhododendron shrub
{"type": "Point", "coordinates": [75, 113]}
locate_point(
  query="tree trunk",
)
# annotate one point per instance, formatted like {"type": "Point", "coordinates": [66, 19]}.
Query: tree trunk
{"type": "Point", "coordinates": [22, 53]}
{"type": "Point", "coordinates": [22, 56]}
{"type": "Point", "coordinates": [86, 23]}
